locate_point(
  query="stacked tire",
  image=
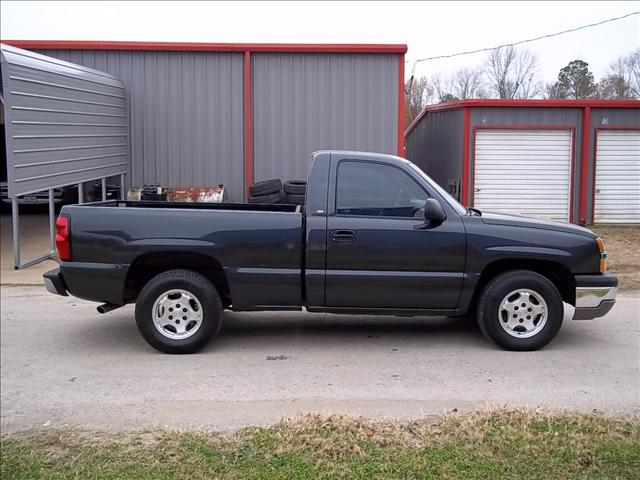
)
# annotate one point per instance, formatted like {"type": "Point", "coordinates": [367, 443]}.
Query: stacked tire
{"type": "Point", "coordinates": [268, 191]}
{"type": "Point", "coordinates": [274, 192]}
{"type": "Point", "coordinates": [295, 191]}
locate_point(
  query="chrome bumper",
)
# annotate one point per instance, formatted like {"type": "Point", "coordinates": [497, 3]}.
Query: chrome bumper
{"type": "Point", "coordinates": [595, 295]}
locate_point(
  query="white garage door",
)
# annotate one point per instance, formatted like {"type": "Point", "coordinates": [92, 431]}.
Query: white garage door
{"type": "Point", "coordinates": [617, 198]}
{"type": "Point", "coordinates": [523, 172]}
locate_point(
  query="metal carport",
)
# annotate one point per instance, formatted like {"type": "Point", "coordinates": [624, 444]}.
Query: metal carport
{"type": "Point", "coordinates": [64, 124]}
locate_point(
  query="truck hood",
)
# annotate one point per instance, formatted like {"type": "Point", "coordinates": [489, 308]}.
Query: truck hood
{"type": "Point", "coordinates": [518, 221]}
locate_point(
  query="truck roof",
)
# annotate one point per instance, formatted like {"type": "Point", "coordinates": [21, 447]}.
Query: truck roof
{"type": "Point", "coordinates": [352, 154]}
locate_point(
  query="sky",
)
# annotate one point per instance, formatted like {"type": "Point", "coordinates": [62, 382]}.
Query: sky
{"type": "Point", "coordinates": [428, 28]}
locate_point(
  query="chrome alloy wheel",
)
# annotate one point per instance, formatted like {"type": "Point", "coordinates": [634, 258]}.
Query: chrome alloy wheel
{"type": "Point", "coordinates": [523, 313]}
{"type": "Point", "coordinates": [177, 314]}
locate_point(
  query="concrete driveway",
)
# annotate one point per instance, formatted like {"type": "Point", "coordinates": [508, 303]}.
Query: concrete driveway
{"type": "Point", "coordinates": [63, 363]}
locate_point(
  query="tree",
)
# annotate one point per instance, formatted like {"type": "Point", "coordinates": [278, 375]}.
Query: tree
{"type": "Point", "coordinates": [468, 83]}
{"type": "Point", "coordinates": [462, 84]}
{"type": "Point", "coordinates": [614, 87]}
{"type": "Point", "coordinates": [574, 81]}
{"type": "Point", "coordinates": [443, 89]}
{"type": "Point", "coordinates": [553, 90]}
{"type": "Point", "coordinates": [623, 78]}
{"type": "Point", "coordinates": [512, 73]}
{"type": "Point", "coordinates": [418, 92]}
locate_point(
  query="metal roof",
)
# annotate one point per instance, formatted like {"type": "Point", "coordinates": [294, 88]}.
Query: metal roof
{"type": "Point", "coordinates": [208, 47]}
{"type": "Point", "coordinates": [535, 103]}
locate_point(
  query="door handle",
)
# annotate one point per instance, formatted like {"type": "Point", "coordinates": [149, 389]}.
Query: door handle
{"type": "Point", "coordinates": [343, 236]}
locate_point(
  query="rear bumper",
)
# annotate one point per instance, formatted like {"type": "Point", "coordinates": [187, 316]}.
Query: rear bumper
{"type": "Point", "coordinates": [595, 295]}
{"type": "Point", "coordinates": [54, 283]}
{"type": "Point", "coordinates": [97, 282]}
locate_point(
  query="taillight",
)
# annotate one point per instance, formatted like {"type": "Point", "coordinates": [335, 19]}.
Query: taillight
{"type": "Point", "coordinates": [63, 243]}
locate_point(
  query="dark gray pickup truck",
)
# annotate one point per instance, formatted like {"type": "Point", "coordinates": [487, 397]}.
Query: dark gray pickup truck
{"type": "Point", "coordinates": [376, 236]}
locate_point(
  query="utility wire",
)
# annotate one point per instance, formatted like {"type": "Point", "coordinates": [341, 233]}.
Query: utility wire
{"type": "Point", "coordinates": [513, 44]}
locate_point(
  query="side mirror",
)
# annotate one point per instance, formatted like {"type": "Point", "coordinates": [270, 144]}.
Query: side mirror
{"type": "Point", "coordinates": [434, 214]}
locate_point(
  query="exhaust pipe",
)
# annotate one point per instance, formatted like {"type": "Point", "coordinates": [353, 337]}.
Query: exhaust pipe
{"type": "Point", "coordinates": [107, 307]}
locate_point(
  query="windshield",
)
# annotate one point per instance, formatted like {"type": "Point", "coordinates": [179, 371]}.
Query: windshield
{"type": "Point", "coordinates": [443, 193]}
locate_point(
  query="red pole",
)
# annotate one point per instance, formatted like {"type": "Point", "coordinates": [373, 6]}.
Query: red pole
{"type": "Point", "coordinates": [248, 124]}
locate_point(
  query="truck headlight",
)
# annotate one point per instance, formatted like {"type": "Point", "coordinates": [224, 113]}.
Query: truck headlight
{"type": "Point", "coordinates": [603, 255]}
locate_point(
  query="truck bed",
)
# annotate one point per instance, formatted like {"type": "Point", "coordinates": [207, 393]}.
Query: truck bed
{"type": "Point", "coordinates": [255, 207]}
{"type": "Point", "coordinates": [255, 245]}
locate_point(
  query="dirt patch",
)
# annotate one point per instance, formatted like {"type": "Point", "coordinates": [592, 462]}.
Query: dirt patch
{"type": "Point", "coordinates": [623, 253]}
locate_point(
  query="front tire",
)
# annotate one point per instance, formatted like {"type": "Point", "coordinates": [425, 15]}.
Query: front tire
{"type": "Point", "coordinates": [178, 311]}
{"type": "Point", "coordinates": [520, 310]}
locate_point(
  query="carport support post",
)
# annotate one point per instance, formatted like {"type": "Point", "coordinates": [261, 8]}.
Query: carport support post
{"type": "Point", "coordinates": [80, 193]}
{"type": "Point", "coordinates": [15, 222]}
{"type": "Point", "coordinates": [52, 223]}
{"type": "Point", "coordinates": [104, 189]}
{"type": "Point", "coordinates": [122, 193]}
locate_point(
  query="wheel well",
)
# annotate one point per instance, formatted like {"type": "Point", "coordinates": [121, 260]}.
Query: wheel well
{"type": "Point", "coordinates": [556, 273]}
{"type": "Point", "coordinates": [147, 266]}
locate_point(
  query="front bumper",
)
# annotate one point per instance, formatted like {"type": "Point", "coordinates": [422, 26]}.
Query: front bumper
{"type": "Point", "coordinates": [54, 282]}
{"type": "Point", "coordinates": [595, 295]}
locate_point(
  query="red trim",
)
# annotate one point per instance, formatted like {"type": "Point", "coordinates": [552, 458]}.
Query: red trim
{"type": "Point", "coordinates": [466, 161]}
{"type": "Point", "coordinates": [584, 165]}
{"type": "Point", "coordinates": [531, 127]}
{"type": "Point", "coordinates": [401, 105]}
{"type": "Point", "coordinates": [595, 159]}
{"type": "Point", "coordinates": [496, 102]}
{"type": "Point", "coordinates": [248, 124]}
{"type": "Point", "coordinates": [208, 47]}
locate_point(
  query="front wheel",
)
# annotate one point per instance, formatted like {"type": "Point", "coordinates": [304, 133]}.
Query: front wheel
{"type": "Point", "coordinates": [520, 310]}
{"type": "Point", "coordinates": [178, 311]}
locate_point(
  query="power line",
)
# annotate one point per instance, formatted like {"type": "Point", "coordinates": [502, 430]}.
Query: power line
{"type": "Point", "coordinates": [520, 42]}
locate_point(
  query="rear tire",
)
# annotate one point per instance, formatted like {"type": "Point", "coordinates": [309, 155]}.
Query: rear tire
{"type": "Point", "coordinates": [520, 310]}
{"type": "Point", "coordinates": [178, 311]}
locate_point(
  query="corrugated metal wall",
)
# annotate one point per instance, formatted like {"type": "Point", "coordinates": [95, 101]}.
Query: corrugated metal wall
{"type": "Point", "coordinates": [514, 116]}
{"type": "Point", "coordinates": [303, 102]}
{"type": "Point", "coordinates": [186, 114]}
{"type": "Point", "coordinates": [64, 123]}
{"type": "Point", "coordinates": [435, 145]}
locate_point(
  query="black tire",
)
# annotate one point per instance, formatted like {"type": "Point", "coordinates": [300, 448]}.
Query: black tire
{"type": "Point", "coordinates": [295, 199]}
{"type": "Point", "coordinates": [296, 187]}
{"type": "Point", "coordinates": [266, 187]}
{"type": "Point", "coordinates": [489, 314]}
{"type": "Point", "coordinates": [197, 285]}
{"type": "Point", "coordinates": [272, 198]}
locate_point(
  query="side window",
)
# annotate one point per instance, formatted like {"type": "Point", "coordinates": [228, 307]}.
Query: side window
{"type": "Point", "coordinates": [372, 189]}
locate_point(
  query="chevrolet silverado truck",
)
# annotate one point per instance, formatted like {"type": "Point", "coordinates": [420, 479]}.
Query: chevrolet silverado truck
{"type": "Point", "coordinates": [376, 236]}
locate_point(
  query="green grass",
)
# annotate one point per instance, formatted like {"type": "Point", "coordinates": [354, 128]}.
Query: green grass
{"type": "Point", "coordinates": [496, 444]}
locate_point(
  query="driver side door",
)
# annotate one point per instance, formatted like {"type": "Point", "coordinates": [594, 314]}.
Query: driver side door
{"type": "Point", "coordinates": [379, 255]}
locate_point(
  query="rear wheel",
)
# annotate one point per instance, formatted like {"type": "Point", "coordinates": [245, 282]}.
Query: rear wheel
{"type": "Point", "coordinates": [178, 311]}
{"type": "Point", "coordinates": [520, 310]}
